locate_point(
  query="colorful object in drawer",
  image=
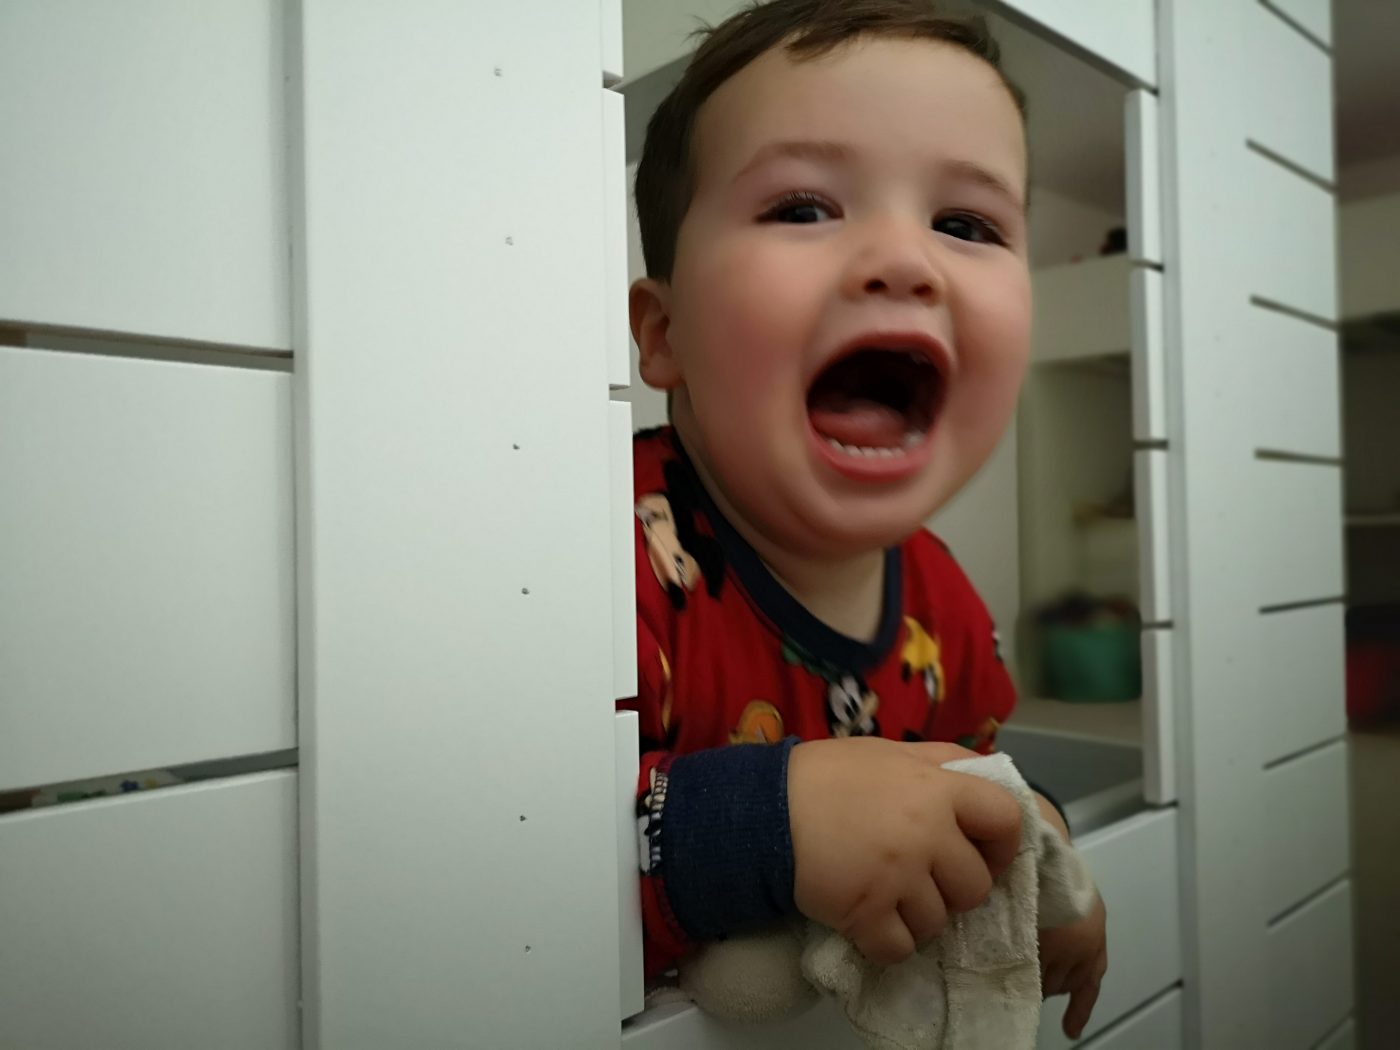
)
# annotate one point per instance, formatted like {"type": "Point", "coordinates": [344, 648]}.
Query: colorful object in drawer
{"type": "Point", "coordinates": [1373, 663]}
{"type": "Point", "coordinates": [1090, 650]}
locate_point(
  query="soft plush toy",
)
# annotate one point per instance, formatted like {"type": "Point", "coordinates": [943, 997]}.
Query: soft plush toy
{"type": "Point", "coordinates": [976, 987]}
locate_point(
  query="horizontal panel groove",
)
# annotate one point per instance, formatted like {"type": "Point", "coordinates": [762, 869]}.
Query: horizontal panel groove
{"type": "Point", "coordinates": [1158, 625]}
{"type": "Point", "coordinates": [1296, 169]}
{"type": "Point", "coordinates": [231, 768]}
{"type": "Point", "coordinates": [1304, 752]}
{"type": "Point", "coordinates": [110, 344]}
{"type": "Point", "coordinates": [1278, 456]}
{"type": "Point", "coordinates": [1295, 25]}
{"type": "Point", "coordinates": [1311, 898]}
{"type": "Point", "coordinates": [1146, 264]}
{"type": "Point", "coordinates": [1151, 445]}
{"type": "Point", "coordinates": [1292, 311]}
{"type": "Point", "coordinates": [1311, 603]}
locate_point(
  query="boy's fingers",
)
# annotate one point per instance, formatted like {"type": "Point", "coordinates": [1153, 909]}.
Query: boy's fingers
{"type": "Point", "coordinates": [924, 913]}
{"type": "Point", "coordinates": [1081, 1007]}
{"type": "Point", "coordinates": [962, 875]}
{"type": "Point", "coordinates": [990, 816]}
{"type": "Point", "coordinates": [885, 940]}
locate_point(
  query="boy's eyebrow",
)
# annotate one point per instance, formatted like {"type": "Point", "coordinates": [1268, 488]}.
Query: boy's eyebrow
{"type": "Point", "coordinates": [973, 172]}
{"type": "Point", "coordinates": [802, 149]}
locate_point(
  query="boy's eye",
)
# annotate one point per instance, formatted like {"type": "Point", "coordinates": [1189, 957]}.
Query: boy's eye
{"type": "Point", "coordinates": [968, 227]}
{"type": "Point", "coordinates": [801, 208]}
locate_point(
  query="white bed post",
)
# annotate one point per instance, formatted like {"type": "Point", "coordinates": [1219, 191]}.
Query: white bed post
{"type": "Point", "coordinates": [456, 696]}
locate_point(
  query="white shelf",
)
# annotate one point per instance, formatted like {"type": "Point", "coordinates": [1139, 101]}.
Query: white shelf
{"type": "Point", "coordinates": [1082, 310]}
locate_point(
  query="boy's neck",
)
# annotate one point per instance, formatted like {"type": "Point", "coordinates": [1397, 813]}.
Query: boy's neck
{"type": "Point", "coordinates": [846, 594]}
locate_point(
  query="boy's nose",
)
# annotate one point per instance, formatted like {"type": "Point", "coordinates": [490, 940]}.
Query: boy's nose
{"type": "Point", "coordinates": [896, 266]}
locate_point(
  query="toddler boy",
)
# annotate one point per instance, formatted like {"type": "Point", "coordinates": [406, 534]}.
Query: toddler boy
{"type": "Point", "coordinates": [832, 206]}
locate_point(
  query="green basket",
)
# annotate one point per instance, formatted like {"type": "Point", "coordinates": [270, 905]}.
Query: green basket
{"type": "Point", "coordinates": [1092, 664]}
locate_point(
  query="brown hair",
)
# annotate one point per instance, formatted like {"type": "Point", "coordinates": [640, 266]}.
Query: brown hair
{"type": "Point", "coordinates": [807, 28]}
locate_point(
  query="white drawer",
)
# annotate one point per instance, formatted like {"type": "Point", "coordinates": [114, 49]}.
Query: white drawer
{"type": "Point", "coordinates": [1154, 550]}
{"type": "Point", "coordinates": [632, 970]}
{"type": "Point", "coordinates": [610, 16]}
{"type": "Point", "coordinates": [1143, 177]}
{"type": "Point", "coordinates": [1158, 717]}
{"type": "Point", "coordinates": [616, 329]}
{"type": "Point", "coordinates": [1303, 679]}
{"type": "Point", "coordinates": [1313, 16]}
{"type": "Point", "coordinates": [146, 579]}
{"type": "Point", "coordinates": [1297, 549]}
{"type": "Point", "coordinates": [146, 183]}
{"type": "Point", "coordinates": [1309, 836]}
{"type": "Point", "coordinates": [683, 1027]}
{"type": "Point", "coordinates": [1157, 1026]}
{"type": "Point", "coordinates": [1278, 270]}
{"type": "Point", "coordinates": [159, 921]}
{"type": "Point", "coordinates": [622, 534]}
{"type": "Point", "coordinates": [1134, 863]}
{"type": "Point", "coordinates": [1290, 107]}
{"type": "Point", "coordinates": [1149, 355]}
{"type": "Point", "coordinates": [1297, 399]}
{"type": "Point", "coordinates": [1310, 971]}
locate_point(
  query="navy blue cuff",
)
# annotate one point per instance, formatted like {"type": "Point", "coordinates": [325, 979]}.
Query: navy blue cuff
{"type": "Point", "coordinates": [725, 841]}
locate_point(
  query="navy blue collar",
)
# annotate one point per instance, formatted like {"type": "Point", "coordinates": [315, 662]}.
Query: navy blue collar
{"type": "Point", "coordinates": [786, 613]}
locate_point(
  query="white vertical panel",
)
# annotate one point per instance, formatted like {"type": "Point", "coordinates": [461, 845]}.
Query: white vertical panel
{"type": "Point", "coordinates": [1297, 547]}
{"type": "Point", "coordinates": [1310, 841]}
{"type": "Point", "coordinates": [1301, 679]}
{"type": "Point", "coordinates": [1158, 718]}
{"type": "Point", "coordinates": [1154, 550]}
{"type": "Point", "coordinates": [1290, 111]}
{"type": "Point", "coordinates": [162, 920]}
{"type": "Point", "coordinates": [146, 580]}
{"type": "Point", "coordinates": [1206, 187]}
{"type": "Point", "coordinates": [629, 907]}
{"type": "Point", "coordinates": [1156, 1026]}
{"type": "Point", "coordinates": [624, 554]}
{"type": "Point", "coordinates": [1292, 254]}
{"type": "Point", "coordinates": [617, 331]}
{"type": "Point", "coordinates": [1122, 33]}
{"type": "Point", "coordinates": [610, 18]}
{"type": "Point", "coordinates": [1149, 357]}
{"type": "Point", "coordinates": [1143, 170]}
{"type": "Point", "coordinates": [1298, 405]}
{"type": "Point", "coordinates": [1134, 863]}
{"type": "Point", "coordinates": [1310, 974]}
{"type": "Point", "coordinates": [1314, 16]}
{"type": "Point", "coordinates": [456, 529]}
{"type": "Point", "coordinates": [145, 168]}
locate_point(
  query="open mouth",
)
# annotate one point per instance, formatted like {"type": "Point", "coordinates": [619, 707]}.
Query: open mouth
{"type": "Point", "coordinates": [876, 401]}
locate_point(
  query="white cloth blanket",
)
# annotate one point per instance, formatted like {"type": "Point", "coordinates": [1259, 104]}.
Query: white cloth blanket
{"type": "Point", "coordinates": [976, 987]}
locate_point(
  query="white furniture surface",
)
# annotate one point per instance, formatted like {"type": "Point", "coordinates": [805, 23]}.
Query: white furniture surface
{"type": "Point", "coordinates": [1311, 981]}
{"type": "Point", "coordinates": [163, 920]}
{"type": "Point", "coordinates": [146, 169]}
{"type": "Point", "coordinates": [146, 579]}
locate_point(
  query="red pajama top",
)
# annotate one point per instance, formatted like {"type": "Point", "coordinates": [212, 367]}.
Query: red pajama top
{"type": "Point", "coordinates": [725, 656]}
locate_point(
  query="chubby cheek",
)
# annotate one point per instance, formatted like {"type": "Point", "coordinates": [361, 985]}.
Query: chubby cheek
{"type": "Point", "coordinates": [741, 345]}
{"type": "Point", "coordinates": [994, 348]}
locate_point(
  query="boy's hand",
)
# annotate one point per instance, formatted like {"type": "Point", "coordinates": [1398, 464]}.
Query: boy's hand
{"type": "Point", "coordinates": [1073, 959]}
{"type": "Point", "coordinates": [886, 844]}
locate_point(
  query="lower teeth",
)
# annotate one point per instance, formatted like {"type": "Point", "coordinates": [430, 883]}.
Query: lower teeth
{"type": "Point", "coordinates": [911, 440]}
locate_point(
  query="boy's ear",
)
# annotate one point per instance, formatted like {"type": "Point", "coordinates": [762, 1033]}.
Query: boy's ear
{"type": "Point", "coordinates": [649, 308]}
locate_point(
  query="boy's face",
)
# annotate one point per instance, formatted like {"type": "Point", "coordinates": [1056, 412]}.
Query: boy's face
{"type": "Point", "coordinates": [848, 318]}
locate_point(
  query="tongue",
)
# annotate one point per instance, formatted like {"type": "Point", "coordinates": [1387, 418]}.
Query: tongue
{"type": "Point", "coordinates": [857, 421]}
